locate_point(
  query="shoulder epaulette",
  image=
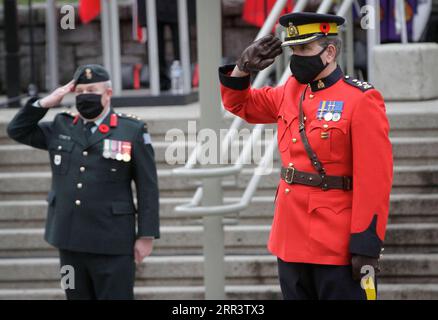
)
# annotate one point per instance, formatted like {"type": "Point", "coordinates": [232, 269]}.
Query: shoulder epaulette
{"type": "Point", "coordinates": [362, 85]}
{"type": "Point", "coordinates": [69, 113]}
{"type": "Point", "coordinates": [129, 116]}
{"type": "Point", "coordinates": [133, 117]}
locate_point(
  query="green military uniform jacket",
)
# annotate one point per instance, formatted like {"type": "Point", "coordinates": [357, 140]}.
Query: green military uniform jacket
{"type": "Point", "coordinates": [90, 204]}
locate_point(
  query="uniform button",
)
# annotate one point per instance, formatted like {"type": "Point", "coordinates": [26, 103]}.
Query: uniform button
{"type": "Point", "coordinates": [85, 153]}
{"type": "Point", "coordinates": [82, 169]}
{"type": "Point", "coordinates": [59, 147]}
{"type": "Point", "coordinates": [79, 185]}
{"type": "Point", "coordinates": [305, 118]}
{"type": "Point", "coordinates": [294, 140]}
{"type": "Point", "coordinates": [78, 202]}
{"type": "Point", "coordinates": [291, 164]}
{"type": "Point", "coordinates": [286, 190]}
{"type": "Point", "coordinates": [325, 126]}
{"type": "Point", "coordinates": [311, 96]}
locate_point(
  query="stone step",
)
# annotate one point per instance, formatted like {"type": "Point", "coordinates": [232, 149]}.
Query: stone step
{"type": "Point", "coordinates": [407, 151]}
{"type": "Point", "coordinates": [405, 208]}
{"type": "Point", "coordinates": [239, 239]}
{"type": "Point", "coordinates": [407, 119]}
{"type": "Point", "coordinates": [188, 270]}
{"type": "Point", "coordinates": [413, 118]}
{"type": "Point", "coordinates": [233, 292]}
{"type": "Point", "coordinates": [22, 185]}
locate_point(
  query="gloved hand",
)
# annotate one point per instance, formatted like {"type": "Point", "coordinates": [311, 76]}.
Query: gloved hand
{"type": "Point", "coordinates": [260, 54]}
{"type": "Point", "coordinates": [357, 262]}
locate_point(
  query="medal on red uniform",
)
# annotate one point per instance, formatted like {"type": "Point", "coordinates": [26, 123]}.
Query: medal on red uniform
{"type": "Point", "coordinates": [330, 110]}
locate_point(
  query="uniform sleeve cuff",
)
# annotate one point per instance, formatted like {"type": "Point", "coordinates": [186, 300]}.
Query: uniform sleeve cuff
{"type": "Point", "coordinates": [235, 83]}
{"type": "Point", "coordinates": [36, 104]}
{"type": "Point", "coordinates": [366, 243]}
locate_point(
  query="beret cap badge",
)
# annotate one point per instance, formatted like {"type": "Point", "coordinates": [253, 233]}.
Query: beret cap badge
{"type": "Point", "coordinates": [88, 73]}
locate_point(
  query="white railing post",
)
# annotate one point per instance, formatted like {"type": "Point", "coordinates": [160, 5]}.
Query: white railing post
{"type": "Point", "coordinates": [373, 35]}
{"type": "Point", "coordinates": [154, 68]}
{"type": "Point", "coordinates": [400, 20]}
{"type": "Point", "coordinates": [184, 45]}
{"type": "Point", "coordinates": [52, 74]}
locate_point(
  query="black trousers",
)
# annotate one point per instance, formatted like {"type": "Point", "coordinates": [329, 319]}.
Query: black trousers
{"type": "Point", "coordinates": [99, 276]}
{"type": "Point", "coordinates": [304, 281]}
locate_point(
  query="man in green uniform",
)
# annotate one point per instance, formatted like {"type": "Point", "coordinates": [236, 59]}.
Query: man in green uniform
{"type": "Point", "coordinates": [94, 156]}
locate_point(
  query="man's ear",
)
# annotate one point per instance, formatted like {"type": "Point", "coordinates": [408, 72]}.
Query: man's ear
{"type": "Point", "coordinates": [109, 91]}
{"type": "Point", "coordinates": [331, 53]}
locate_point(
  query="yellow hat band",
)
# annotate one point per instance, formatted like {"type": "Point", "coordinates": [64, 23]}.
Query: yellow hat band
{"type": "Point", "coordinates": [311, 28]}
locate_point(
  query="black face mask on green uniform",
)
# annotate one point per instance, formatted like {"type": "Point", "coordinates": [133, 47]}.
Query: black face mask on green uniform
{"type": "Point", "coordinates": [306, 68]}
{"type": "Point", "coordinates": [89, 105]}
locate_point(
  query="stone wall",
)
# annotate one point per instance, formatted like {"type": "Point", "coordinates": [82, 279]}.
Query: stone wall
{"type": "Point", "coordinates": [83, 45]}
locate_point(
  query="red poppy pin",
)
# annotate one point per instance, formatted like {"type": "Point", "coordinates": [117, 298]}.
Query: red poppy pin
{"type": "Point", "coordinates": [324, 27]}
{"type": "Point", "coordinates": [103, 128]}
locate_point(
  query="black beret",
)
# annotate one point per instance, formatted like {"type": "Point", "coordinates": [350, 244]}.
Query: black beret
{"type": "Point", "coordinates": [90, 73]}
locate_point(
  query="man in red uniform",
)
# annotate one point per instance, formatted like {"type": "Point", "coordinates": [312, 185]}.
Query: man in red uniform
{"type": "Point", "coordinates": [332, 201]}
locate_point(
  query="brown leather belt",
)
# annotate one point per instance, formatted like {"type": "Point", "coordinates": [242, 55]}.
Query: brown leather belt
{"type": "Point", "coordinates": [292, 176]}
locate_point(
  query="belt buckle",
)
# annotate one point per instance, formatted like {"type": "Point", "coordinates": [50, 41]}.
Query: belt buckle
{"type": "Point", "coordinates": [286, 176]}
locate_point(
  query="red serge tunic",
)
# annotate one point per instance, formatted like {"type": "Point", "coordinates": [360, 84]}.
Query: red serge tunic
{"type": "Point", "coordinates": [311, 225]}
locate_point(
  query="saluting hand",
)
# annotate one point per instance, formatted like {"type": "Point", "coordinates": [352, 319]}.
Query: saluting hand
{"type": "Point", "coordinates": [260, 54]}
{"type": "Point", "coordinates": [142, 249]}
{"type": "Point", "coordinates": [55, 98]}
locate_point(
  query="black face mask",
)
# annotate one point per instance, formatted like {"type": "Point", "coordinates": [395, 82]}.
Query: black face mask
{"type": "Point", "coordinates": [89, 105]}
{"type": "Point", "coordinates": [306, 68]}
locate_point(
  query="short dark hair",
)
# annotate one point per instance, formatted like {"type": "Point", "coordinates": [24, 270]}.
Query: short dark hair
{"type": "Point", "coordinates": [334, 40]}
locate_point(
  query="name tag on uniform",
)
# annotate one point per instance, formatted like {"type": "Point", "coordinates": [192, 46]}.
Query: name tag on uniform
{"type": "Point", "coordinates": [117, 150]}
{"type": "Point", "coordinates": [64, 137]}
{"type": "Point", "coordinates": [330, 110]}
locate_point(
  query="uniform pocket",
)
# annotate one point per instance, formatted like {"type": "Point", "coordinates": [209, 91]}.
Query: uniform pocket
{"type": "Point", "coordinates": [123, 208]}
{"type": "Point", "coordinates": [60, 154]}
{"type": "Point", "coordinates": [284, 133]}
{"type": "Point", "coordinates": [328, 139]}
{"type": "Point", "coordinates": [330, 222]}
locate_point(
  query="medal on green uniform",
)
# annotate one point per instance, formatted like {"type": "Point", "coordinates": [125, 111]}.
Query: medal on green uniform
{"type": "Point", "coordinates": [119, 156]}
{"type": "Point", "coordinates": [113, 149]}
{"type": "Point", "coordinates": [106, 149]}
{"type": "Point", "coordinates": [126, 151]}
{"type": "Point", "coordinates": [118, 150]}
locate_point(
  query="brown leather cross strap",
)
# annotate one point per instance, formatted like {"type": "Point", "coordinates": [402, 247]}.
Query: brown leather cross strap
{"type": "Point", "coordinates": [293, 176]}
{"type": "Point", "coordinates": [310, 153]}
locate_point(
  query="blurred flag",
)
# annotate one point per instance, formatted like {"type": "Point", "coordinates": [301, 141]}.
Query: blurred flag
{"type": "Point", "coordinates": [256, 11]}
{"type": "Point", "coordinates": [139, 20]}
{"type": "Point", "coordinates": [88, 10]}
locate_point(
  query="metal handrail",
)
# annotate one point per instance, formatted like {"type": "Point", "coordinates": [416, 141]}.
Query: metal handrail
{"type": "Point", "coordinates": [192, 208]}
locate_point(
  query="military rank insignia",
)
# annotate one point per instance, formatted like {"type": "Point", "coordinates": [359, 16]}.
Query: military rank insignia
{"type": "Point", "coordinates": [330, 110]}
{"type": "Point", "coordinates": [117, 150]}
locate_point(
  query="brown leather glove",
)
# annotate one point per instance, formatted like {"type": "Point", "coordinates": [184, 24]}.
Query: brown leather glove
{"type": "Point", "coordinates": [357, 262]}
{"type": "Point", "coordinates": [260, 54]}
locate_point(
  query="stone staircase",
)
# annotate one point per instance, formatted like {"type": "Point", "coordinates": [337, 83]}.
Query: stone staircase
{"type": "Point", "coordinates": [29, 267]}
